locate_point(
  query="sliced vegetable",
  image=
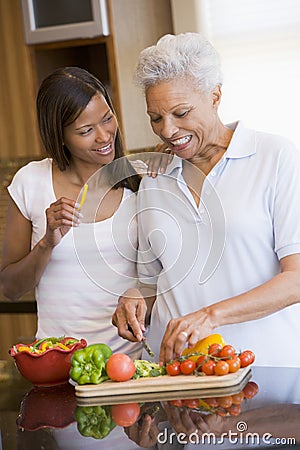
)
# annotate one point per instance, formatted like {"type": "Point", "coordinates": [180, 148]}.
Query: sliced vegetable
{"type": "Point", "coordinates": [42, 345]}
{"type": "Point", "coordinates": [147, 369]}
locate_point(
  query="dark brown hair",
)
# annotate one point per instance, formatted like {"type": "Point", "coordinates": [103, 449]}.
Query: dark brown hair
{"type": "Point", "coordinates": [61, 98]}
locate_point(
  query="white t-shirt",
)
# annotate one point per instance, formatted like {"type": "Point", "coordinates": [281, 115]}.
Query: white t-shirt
{"type": "Point", "coordinates": [247, 220]}
{"type": "Point", "coordinates": [89, 269]}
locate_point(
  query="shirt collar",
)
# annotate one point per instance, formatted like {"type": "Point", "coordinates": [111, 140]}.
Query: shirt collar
{"type": "Point", "coordinates": [243, 141]}
{"type": "Point", "coordinates": [242, 144]}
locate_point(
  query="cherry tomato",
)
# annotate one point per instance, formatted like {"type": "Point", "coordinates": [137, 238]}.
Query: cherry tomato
{"type": "Point", "coordinates": [187, 367]}
{"type": "Point", "coordinates": [238, 398]}
{"type": "Point", "coordinates": [251, 354]}
{"type": "Point", "coordinates": [125, 415]}
{"type": "Point", "coordinates": [246, 358]}
{"type": "Point", "coordinates": [250, 390]}
{"type": "Point", "coordinates": [211, 401]}
{"type": "Point", "coordinates": [225, 402]}
{"type": "Point", "coordinates": [192, 403]}
{"type": "Point", "coordinates": [234, 364]}
{"type": "Point", "coordinates": [209, 367]}
{"type": "Point", "coordinates": [173, 368]}
{"type": "Point", "coordinates": [215, 349]}
{"type": "Point", "coordinates": [177, 402]}
{"type": "Point", "coordinates": [201, 360]}
{"type": "Point", "coordinates": [120, 367]}
{"type": "Point", "coordinates": [221, 368]}
{"type": "Point", "coordinates": [227, 351]}
{"type": "Point", "coordinates": [221, 412]}
{"type": "Point", "coordinates": [234, 410]}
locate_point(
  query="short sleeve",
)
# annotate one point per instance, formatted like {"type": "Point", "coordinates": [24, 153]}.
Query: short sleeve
{"type": "Point", "coordinates": [18, 190]}
{"type": "Point", "coordinates": [287, 203]}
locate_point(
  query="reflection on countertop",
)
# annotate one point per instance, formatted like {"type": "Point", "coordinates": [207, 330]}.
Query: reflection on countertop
{"type": "Point", "coordinates": [267, 411]}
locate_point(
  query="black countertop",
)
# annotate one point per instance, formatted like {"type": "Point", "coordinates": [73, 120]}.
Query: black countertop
{"type": "Point", "coordinates": [55, 419]}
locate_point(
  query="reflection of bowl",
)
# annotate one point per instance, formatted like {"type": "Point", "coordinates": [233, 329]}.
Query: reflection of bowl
{"type": "Point", "coordinates": [51, 407]}
{"type": "Point", "coordinates": [48, 368]}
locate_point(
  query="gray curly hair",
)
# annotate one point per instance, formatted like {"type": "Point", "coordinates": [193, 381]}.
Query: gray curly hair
{"type": "Point", "coordinates": [186, 54]}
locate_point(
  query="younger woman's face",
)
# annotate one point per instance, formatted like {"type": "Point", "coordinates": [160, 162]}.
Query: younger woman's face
{"type": "Point", "coordinates": [91, 137]}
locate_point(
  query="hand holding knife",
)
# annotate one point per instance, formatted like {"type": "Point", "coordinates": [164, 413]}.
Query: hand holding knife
{"type": "Point", "coordinates": [144, 344]}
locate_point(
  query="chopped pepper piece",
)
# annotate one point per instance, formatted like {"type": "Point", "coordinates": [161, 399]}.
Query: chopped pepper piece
{"type": "Point", "coordinates": [146, 368]}
{"type": "Point", "coordinates": [88, 364]}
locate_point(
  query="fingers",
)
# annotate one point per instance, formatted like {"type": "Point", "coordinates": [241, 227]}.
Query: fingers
{"type": "Point", "coordinates": [180, 419]}
{"type": "Point", "coordinates": [174, 340]}
{"type": "Point", "coordinates": [184, 331]}
{"type": "Point", "coordinates": [63, 212]}
{"type": "Point", "coordinates": [160, 161]}
{"type": "Point", "coordinates": [144, 433]}
{"type": "Point", "coordinates": [129, 316]}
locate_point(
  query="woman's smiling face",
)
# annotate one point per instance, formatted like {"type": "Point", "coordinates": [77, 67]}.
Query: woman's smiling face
{"type": "Point", "coordinates": [91, 137]}
{"type": "Point", "coordinates": [184, 117]}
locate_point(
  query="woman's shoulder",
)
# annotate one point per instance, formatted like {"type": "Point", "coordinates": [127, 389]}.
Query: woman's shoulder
{"type": "Point", "coordinates": [35, 169]}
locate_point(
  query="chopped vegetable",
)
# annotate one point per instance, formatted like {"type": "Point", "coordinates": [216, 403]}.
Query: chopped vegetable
{"type": "Point", "coordinates": [42, 345]}
{"type": "Point", "coordinates": [85, 188]}
{"type": "Point", "coordinates": [147, 369]}
{"type": "Point", "coordinates": [88, 364]}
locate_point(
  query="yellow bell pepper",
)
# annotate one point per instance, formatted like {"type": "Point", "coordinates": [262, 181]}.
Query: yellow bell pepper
{"type": "Point", "coordinates": [63, 346]}
{"type": "Point", "coordinates": [24, 348]}
{"type": "Point", "coordinates": [202, 346]}
{"type": "Point", "coordinates": [45, 346]}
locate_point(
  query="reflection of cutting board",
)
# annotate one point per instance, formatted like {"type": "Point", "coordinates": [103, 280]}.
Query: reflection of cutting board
{"type": "Point", "coordinates": [150, 388]}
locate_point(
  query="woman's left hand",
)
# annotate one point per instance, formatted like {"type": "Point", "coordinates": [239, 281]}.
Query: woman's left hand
{"type": "Point", "coordinates": [188, 422]}
{"type": "Point", "coordinates": [144, 432]}
{"type": "Point", "coordinates": [182, 331]}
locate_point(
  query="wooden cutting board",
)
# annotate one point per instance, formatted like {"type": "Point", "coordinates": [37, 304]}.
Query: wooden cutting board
{"type": "Point", "coordinates": [154, 388]}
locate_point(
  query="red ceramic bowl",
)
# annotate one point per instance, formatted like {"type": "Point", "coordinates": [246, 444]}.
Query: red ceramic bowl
{"type": "Point", "coordinates": [48, 407]}
{"type": "Point", "coordinates": [49, 368]}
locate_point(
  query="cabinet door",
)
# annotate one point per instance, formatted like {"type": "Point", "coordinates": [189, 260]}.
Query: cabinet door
{"type": "Point", "coordinates": [18, 128]}
{"type": "Point", "coordinates": [136, 24]}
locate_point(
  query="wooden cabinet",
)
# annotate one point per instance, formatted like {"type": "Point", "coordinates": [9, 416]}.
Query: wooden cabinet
{"type": "Point", "coordinates": [134, 24]}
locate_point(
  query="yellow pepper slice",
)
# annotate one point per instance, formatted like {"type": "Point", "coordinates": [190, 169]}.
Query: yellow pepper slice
{"type": "Point", "coordinates": [24, 348]}
{"type": "Point", "coordinates": [85, 188]}
{"type": "Point", "coordinates": [63, 346]}
{"type": "Point", "coordinates": [45, 346]}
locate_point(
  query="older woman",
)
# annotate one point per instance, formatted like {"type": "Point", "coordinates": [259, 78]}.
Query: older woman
{"type": "Point", "coordinates": [219, 231]}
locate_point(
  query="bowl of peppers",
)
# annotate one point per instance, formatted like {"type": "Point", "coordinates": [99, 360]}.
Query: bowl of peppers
{"type": "Point", "coordinates": [47, 361]}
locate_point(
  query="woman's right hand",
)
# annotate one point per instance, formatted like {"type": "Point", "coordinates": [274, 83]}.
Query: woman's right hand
{"type": "Point", "coordinates": [61, 216]}
{"type": "Point", "coordinates": [159, 160]}
{"type": "Point", "coordinates": [129, 316]}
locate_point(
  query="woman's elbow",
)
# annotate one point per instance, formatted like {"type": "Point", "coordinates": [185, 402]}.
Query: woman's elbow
{"type": "Point", "coordinates": [9, 290]}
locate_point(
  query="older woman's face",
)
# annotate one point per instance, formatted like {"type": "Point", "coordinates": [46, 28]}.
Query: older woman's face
{"type": "Point", "coordinates": [183, 116]}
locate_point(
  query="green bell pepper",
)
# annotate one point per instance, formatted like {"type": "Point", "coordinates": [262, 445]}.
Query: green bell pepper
{"type": "Point", "coordinates": [88, 364]}
{"type": "Point", "coordinates": [94, 421]}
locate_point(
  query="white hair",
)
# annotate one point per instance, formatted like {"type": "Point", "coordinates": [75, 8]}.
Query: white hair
{"type": "Point", "coordinates": [182, 55]}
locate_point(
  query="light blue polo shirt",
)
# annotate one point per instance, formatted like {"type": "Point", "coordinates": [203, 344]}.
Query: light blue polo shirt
{"type": "Point", "coordinates": [247, 220]}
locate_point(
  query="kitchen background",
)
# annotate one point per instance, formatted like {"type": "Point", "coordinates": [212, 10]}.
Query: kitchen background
{"type": "Point", "coordinates": [259, 43]}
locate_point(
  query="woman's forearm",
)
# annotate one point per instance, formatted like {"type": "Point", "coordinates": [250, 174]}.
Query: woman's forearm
{"type": "Point", "coordinates": [23, 276]}
{"type": "Point", "coordinates": [281, 291]}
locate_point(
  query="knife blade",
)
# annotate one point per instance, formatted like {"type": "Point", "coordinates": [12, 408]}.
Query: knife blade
{"type": "Point", "coordinates": [147, 348]}
{"type": "Point", "coordinates": [144, 344]}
